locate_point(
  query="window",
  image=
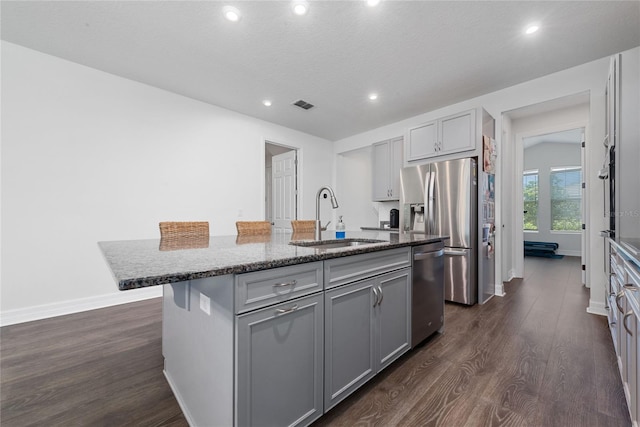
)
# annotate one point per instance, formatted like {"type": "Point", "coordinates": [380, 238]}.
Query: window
{"type": "Point", "coordinates": [566, 199]}
{"type": "Point", "coordinates": [530, 191]}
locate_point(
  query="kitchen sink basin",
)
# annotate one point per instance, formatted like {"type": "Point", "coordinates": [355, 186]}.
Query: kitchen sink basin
{"type": "Point", "coordinates": [333, 244]}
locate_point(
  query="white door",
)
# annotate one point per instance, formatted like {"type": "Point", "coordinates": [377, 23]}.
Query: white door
{"type": "Point", "coordinates": [284, 189]}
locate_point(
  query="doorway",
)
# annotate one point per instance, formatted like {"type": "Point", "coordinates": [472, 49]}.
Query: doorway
{"type": "Point", "coordinates": [281, 185]}
{"type": "Point", "coordinates": [552, 190]}
{"type": "Point", "coordinates": [543, 128]}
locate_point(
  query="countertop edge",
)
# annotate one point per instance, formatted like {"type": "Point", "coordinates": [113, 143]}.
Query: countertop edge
{"type": "Point", "coordinates": [142, 282]}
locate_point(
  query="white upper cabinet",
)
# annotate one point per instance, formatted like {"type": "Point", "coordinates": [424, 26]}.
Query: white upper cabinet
{"type": "Point", "coordinates": [423, 141]}
{"type": "Point", "coordinates": [387, 161]}
{"type": "Point", "coordinates": [448, 135]}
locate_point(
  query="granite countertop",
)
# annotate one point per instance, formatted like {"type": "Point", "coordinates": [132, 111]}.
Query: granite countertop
{"type": "Point", "coordinates": [379, 228]}
{"type": "Point", "coordinates": [630, 247]}
{"type": "Point", "coordinates": [141, 263]}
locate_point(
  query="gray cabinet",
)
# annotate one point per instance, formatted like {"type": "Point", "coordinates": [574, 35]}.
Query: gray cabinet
{"type": "Point", "coordinates": [387, 161]}
{"type": "Point", "coordinates": [278, 347]}
{"type": "Point", "coordinates": [448, 135]}
{"type": "Point", "coordinates": [630, 328]}
{"type": "Point", "coordinates": [393, 316]}
{"type": "Point", "coordinates": [349, 340]}
{"type": "Point", "coordinates": [624, 323]}
{"type": "Point", "coordinates": [423, 141]}
{"type": "Point", "coordinates": [367, 326]}
{"type": "Point", "coordinates": [262, 288]}
{"type": "Point", "coordinates": [279, 364]}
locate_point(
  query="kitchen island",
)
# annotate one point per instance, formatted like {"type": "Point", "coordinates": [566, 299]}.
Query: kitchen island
{"type": "Point", "coordinates": [258, 331]}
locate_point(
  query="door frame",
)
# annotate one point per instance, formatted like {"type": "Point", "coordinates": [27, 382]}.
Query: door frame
{"type": "Point", "coordinates": [271, 141]}
{"type": "Point", "coordinates": [518, 202]}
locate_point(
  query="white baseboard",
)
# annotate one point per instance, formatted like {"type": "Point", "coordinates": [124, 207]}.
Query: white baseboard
{"type": "Point", "coordinates": [500, 290]}
{"type": "Point", "coordinates": [597, 308]}
{"type": "Point", "coordinates": [568, 253]}
{"type": "Point", "coordinates": [38, 312]}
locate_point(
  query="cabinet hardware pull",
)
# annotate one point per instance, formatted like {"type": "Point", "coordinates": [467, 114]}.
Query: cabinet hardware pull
{"type": "Point", "coordinates": [375, 293]}
{"type": "Point", "coordinates": [280, 285]}
{"type": "Point", "coordinates": [618, 296]}
{"type": "Point", "coordinates": [631, 287]}
{"type": "Point", "coordinates": [381, 295]}
{"type": "Point", "coordinates": [624, 322]}
{"type": "Point", "coordinates": [287, 310]}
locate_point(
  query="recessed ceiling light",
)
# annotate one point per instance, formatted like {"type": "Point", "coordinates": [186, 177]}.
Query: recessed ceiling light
{"type": "Point", "coordinates": [531, 28]}
{"type": "Point", "coordinates": [231, 13]}
{"type": "Point", "coordinates": [372, 3]}
{"type": "Point", "coordinates": [266, 103]}
{"type": "Point", "coordinates": [373, 96]}
{"type": "Point", "coordinates": [300, 7]}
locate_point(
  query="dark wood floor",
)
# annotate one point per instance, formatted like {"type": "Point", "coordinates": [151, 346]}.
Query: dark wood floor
{"type": "Point", "coordinates": [531, 358]}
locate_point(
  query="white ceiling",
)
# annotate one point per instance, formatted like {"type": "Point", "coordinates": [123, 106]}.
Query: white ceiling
{"type": "Point", "coordinates": [418, 55]}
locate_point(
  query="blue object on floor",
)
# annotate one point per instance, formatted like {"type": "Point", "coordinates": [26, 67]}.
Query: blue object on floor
{"type": "Point", "coordinates": [541, 249]}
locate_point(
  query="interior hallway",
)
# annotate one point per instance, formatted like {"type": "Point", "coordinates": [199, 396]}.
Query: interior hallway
{"type": "Point", "coordinates": [532, 358]}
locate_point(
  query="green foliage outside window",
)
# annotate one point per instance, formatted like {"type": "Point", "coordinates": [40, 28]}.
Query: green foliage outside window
{"type": "Point", "coordinates": [530, 191]}
{"type": "Point", "coordinates": [566, 199]}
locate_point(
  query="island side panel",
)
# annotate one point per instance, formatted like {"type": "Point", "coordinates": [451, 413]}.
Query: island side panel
{"type": "Point", "coordinates": [197, 345]}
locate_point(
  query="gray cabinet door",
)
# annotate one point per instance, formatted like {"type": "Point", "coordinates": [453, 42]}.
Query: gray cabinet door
{"type": "Point", "coordinates": [423, 141]}
{"type": "Point", "coordinates": [457, 132]}
{"type": "Point", "coordinates": [393, 316]}
{"type": "Point", "coordinates": [387, 162]}
{"type": "Point", "coordinates": [279, 364]}
{"type": "Point", "coordinates": [349, 339]}
{"type": "Point", "coordinates": [381, 171]}
{"type": "Point", "coordinates": [395, 149]}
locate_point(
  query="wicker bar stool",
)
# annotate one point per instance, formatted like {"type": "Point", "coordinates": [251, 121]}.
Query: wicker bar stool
{"type": "Point", "coordinates": [253, 228]}
{"type": "Point", "coordinates": [303, 225]}
{"type": "Point", "coordinates": [183, 235]}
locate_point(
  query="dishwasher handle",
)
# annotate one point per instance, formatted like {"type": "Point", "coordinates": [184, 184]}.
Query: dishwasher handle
{"type": "Point", "coordinates": [456, 252]}
{"type": "Point", "coordinates": [426, 255]}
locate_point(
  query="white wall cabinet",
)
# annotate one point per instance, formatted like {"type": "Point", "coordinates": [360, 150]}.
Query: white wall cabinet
{"type": "Point", "coordinates": [387, 161]}
{"type": "Point", "coordinates": [452, 134]}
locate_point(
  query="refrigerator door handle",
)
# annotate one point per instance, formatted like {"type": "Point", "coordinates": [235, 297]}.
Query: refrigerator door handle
{"type": "Point", "coordinates": [431, 180]}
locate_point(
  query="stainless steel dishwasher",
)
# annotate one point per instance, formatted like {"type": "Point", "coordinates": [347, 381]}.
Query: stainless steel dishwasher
{"type": "Point", "coordinates": [427, 294]}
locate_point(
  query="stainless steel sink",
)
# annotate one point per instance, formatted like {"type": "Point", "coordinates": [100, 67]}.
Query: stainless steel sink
{"type": "Point", "coordinates": [333, 244]}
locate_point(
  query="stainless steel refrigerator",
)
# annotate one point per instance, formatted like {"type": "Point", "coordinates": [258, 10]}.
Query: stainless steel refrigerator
{"type": "Point", "coordinates": [442, 198]}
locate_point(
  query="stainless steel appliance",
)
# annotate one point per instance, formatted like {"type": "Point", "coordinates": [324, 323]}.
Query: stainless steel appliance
{"type": "Point", "coordinates": [427, 292]}
{"type": "Point", "coordinates": [442, 198]}
{"type": "Point", "coordinates": [394, 218]}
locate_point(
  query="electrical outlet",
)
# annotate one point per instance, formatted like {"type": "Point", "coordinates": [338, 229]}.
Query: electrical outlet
{"type": "Point", "coordinates": [205, 303]}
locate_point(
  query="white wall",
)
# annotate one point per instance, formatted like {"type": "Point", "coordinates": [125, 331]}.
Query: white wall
{"type": "Point", "coordinates": [543, 157]}
{"type": "Point", "coordinates": [508, 207]}
{"type": "Point", "coordinates": [354, 189]}
{"type": "Point", "coordinates": [88, 156]}
{"type": "Point", "coordinates": [589, 77]}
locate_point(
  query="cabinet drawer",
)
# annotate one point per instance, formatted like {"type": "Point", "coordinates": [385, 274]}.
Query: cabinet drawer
{"type": "Point", "coordinates": [262, 288]}
{"type": "Point", "coordinates": [340, 271]}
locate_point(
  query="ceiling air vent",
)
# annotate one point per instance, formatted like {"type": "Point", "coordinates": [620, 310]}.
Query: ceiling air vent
{"type": "Point", "coordinates": [303, 104]}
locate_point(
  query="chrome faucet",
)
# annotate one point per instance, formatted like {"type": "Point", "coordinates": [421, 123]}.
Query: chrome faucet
{"type": "Point", "coordinates": [334, 204]}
